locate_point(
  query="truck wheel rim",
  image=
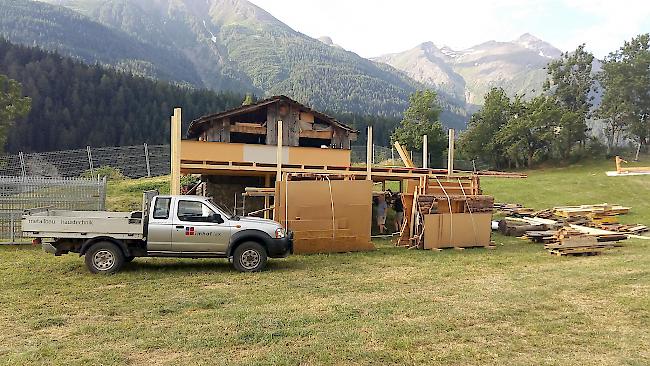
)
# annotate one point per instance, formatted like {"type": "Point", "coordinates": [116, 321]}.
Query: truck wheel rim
{"type": "Point", "coordinates": [250, 259]}
{"type": "Point", "coordinates": [103, 259]}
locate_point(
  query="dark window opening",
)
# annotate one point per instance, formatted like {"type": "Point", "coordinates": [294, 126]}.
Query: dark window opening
{"type": "Point", "coordinates": [311, 142]}
{"type": "Point", "coordinates": [247, 138]}
{"type": "Point", "coordinates": [256, 116]}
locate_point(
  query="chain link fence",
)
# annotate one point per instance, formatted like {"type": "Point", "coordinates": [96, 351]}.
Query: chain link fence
{"type": "Point", "coordinates": [133, 161]}
{"type": "Point", "coordinates": [383, 155]}
{"type": "Point", "coordinates": [22, 193]}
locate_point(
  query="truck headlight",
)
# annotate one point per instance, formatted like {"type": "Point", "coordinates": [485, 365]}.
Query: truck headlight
{"type": "Point", "coordinates": [279, 233]}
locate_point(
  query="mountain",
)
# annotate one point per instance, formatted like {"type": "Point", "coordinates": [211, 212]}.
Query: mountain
{"type": "Point", "coordinates": [216, 44]}
{"type": "Point", "coordinates": [75, 105]}
{"type": "Point", "coordinates": [518, 66]}
{"type": "Point", "coordinates": [57, 28]}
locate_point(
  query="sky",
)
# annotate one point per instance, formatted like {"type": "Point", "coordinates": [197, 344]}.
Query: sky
{"type": "Point", "coordinates": [375, 27]}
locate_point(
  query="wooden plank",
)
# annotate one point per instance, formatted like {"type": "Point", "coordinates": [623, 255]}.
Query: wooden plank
{"type": "Point", "coordinates": [175, 183]}
{"type": "Point", "coordinates": [251, 128]}
{"type": "Point", "coordinates": [404, 156]}
{"type": "Point", "coordinates": [312, 134]}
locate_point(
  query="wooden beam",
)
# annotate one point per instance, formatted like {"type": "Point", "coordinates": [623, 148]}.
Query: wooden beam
{"type": "Point", "coordinates": [450, 153]}
{"type": "Point", "coordinates": [425, 152]}
{"type": "Point", "coordinates": [402, 154]}
{"type": "Point", "coordinates": [175, 183]}
{"type": "Point", "coordinates": [248, 128]}
{"type": "Point", "coordinates": [267, 202]}
{"type": "Point", "coordinates": [325, 135]}
{"type": "Point", "coordinates": [278, 171]}
{"type": "Point", "coordinates": [369, 154]}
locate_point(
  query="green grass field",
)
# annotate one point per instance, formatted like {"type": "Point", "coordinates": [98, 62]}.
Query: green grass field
{"type": "Point", "coordinates": [513, 305]}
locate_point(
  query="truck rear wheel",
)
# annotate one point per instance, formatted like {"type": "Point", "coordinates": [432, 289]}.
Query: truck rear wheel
{"type": "Point", "coordinates": [249, 257]}
{"type": "Point", "coordinates": [104, 257]}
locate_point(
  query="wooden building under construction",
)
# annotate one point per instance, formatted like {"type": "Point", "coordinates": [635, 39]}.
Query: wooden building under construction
{"type": "Point", "coordinates": [296, 163]}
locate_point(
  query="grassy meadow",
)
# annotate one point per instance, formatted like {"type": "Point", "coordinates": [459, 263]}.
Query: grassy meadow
{"type": "Point", "coordinates": [514, 305]}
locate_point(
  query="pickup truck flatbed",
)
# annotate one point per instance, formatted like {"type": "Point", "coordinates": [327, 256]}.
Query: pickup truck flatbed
{"type": "Point", "coordinates": [167, 226]}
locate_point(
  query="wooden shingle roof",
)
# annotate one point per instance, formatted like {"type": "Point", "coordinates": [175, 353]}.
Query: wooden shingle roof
{"type": "Point", "coordinates": [200, 124]}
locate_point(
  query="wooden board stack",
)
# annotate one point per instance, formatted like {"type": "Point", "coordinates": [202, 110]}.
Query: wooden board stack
{"type": "Point", "coordinates": [567, 241]}
{"type": "Point", "coordinates": [601, 216]}
{"type": "Point", "coordinates": [445, 213]}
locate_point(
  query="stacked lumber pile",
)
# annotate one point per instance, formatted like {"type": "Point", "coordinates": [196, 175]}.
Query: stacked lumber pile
{"type": "Point", "coordinates": [590, 210]}
{"type": "Point", "coordinates": [634, 229]}
{"type": "Point", "coordinates": [601, 216]}
{"type": "Point", "coordinates": [571, 242]}
{"type": "Point", "coordinates": [445, 212]}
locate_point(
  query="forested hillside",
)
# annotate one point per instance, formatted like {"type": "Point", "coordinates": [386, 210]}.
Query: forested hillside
{"type": "Point", "coordinates": [220, 45]}
{"type": "Point", "coordinates": [72, 34]}
{"type": "Point", "coordinates": [74, 104]}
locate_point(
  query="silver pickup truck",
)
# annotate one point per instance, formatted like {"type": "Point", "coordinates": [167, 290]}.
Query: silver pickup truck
{"type": "Point", "coordinates": [171, 226]}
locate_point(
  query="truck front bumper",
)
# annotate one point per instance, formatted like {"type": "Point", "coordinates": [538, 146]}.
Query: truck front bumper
{"type": "Point", "coordinates": [280, 248]}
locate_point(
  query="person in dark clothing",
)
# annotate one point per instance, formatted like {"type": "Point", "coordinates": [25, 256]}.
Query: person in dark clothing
{"type": "Point", "coordinates": [398, 207]}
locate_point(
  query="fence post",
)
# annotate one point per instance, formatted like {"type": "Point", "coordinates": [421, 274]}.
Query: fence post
{"type": "Point", "coordinates": [146, 159]}
{"type": "Point", "coordinates": [90, 159]}
{"type": "Point", "coordinates": [21, 157]}
{"type": "Point", "coordinates": [11, 227]}
{"type": "Point", "coordinates": [102, 194]}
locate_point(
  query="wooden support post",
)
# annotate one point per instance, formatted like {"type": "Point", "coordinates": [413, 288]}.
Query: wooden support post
{"type": "Point", "coordinates": [267, 184]}
{"type": "Point", "coordinates": [175, 184]}
{"type": "Point", "coordinates": [369, 154]}
{"type": "Point", "coordinates": [278, 172]}
{"type": "Point", "coordinates": [450, 153]}
{"type": "Point", "coordinates": [425, 153]}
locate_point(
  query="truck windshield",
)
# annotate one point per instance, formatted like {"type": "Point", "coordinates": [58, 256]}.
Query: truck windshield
{"type": "Point", "coordinates": [222, 208]}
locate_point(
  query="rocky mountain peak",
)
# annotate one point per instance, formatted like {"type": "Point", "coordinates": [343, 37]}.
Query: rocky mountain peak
{"type": "Point", "coordinates": [327, 40]}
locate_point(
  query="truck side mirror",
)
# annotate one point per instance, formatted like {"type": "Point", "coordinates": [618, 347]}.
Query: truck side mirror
{"type": "Point", "coordinates": [216, 218]}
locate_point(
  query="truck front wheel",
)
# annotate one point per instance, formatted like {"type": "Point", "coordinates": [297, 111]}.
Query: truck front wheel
{"type": "Point", "coordinates": [249, 257]}
{"type": "Point", "coordinates": [104, 257]}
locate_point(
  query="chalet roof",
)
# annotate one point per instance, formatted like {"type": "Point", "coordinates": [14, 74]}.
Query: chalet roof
{"type": "Point", "coordinates": [200, 124]}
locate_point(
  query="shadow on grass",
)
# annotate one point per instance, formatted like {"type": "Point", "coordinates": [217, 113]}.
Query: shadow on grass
{"type": "Point", "coordinates": [200, 265]}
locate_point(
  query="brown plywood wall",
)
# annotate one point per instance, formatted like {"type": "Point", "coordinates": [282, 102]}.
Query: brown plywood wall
{"type": "Point", "coordinates": [326, 216]}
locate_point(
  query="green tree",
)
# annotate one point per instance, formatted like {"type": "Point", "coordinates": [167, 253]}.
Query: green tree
{"type": "Point", "coordinates": [571, 82]}
{"type": "Point", "coordinates": [248, 100]}
{"type": "Point", "coordinates": [530, 131]}
{"type": "Point", "coordinates": [479, 140]}
{"type": "Point", "coordinates": [626, 98]}
{"type": "Point", "coordinates": [422, 118]}
{"type": "Point", "coordinates": [13, 105]}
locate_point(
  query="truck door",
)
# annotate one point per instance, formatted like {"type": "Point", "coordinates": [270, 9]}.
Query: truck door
{"type": "Point", "coordinates": [199, 229]}
{"type": "Point", "coordinates": [160, 226]}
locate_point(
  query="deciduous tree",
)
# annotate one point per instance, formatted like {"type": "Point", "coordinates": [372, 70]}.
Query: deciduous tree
{"type": "Point", "coordinates": [13, 105]}
{"type": "Point", "coordinates": [422, 118]}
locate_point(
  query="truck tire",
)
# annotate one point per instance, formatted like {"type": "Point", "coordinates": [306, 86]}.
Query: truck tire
{"type": "Point", "coordinates": [249, 257]}
{"type": "Point", "coordinates": [104, 257]}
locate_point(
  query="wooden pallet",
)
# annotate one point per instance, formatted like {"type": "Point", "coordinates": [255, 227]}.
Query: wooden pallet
{"type": "Point", "coordinates": [491, 246]}
{"type": "Point", "coordinates": [575, 254]}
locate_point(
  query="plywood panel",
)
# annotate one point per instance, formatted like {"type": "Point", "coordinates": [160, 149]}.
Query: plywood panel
{"type": "Point", "coordinates": [308, 207]}
{"type": "Point", "coordinates": [318, 156]}
{"type": "Point", "coordinates": [256, 153]}
{"type": "Point", "coordinates": [457, 230]}
{"type": "Point", "coordinates": [214, 151]}
{"type": "Point", "coordinates": [264, 154]}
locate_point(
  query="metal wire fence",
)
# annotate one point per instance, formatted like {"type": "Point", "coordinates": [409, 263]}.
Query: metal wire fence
{"type": "Point", "coordinates": [133, 161]}
{"type": "Point", "coordinates": [382, 155]}
{"type": "Point", "coordinates": [22, 193]}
